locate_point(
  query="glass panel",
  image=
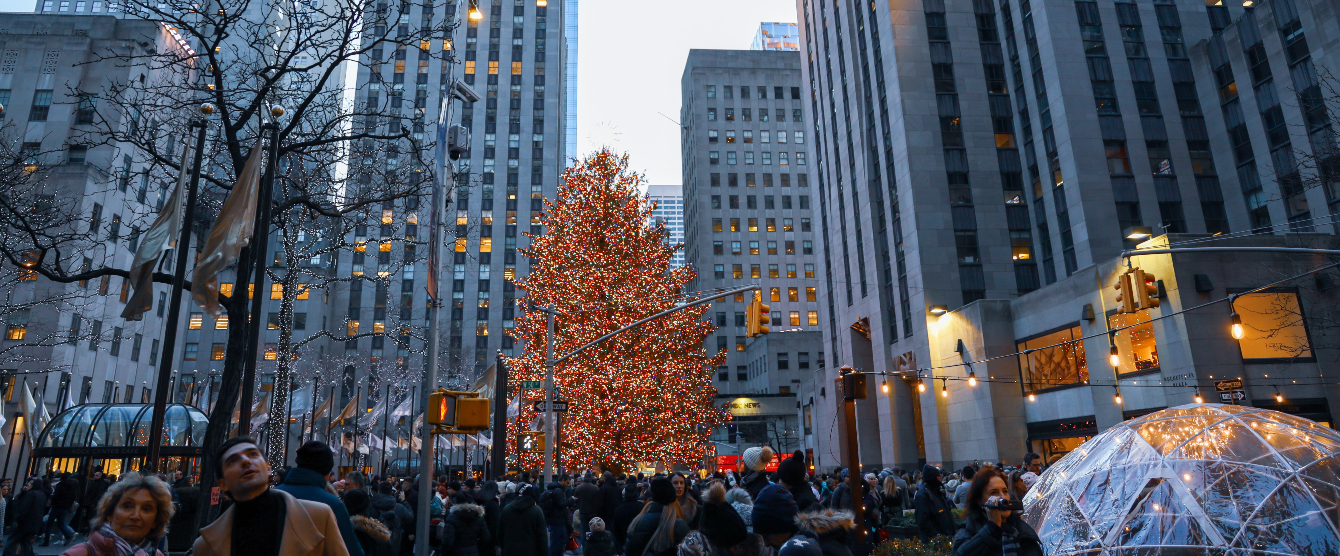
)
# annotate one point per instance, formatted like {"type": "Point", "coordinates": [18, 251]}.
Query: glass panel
{"type": "Point", "coordinates": [55, 431]}
{"type": "Point", "coordinates": [199, 422]}
{"type": "Point", "coordinates": [1059, 365]}
{"type": "Point", "coordinates": [1136, 347]}
{"type": "Point", "coordinates": [80, 426]}
{"type": "Point", "coordinates": [1272, 326]}
{"type": "Point", "coordinates": [113, 426]}
{"type": "Point", "coordinates": [175, 425]}
{"type": "Point", "coordinates": [142, 422]}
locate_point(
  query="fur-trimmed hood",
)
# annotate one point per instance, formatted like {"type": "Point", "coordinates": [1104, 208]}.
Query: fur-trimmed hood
{"type": "Point", "coordinates": [826, 521]}
{"type": "Point", "coordinates": [467, 509]}
{"type": "Point", "coordinates": [372, 527]}
{"type": "Point", "coordinates": [739, 496]}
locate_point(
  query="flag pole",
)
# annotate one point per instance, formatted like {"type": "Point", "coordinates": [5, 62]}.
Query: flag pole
{"type": "Point", "coordinates": [386, 418]}
{"type": "Point", "coordinates": [260, 239]}
{"type": "Point", "coordinates": [181, 253]}
{"type": "Point", "coordinates": [498, 465]}
{"type": "Point", "coordinates": [288, 416]}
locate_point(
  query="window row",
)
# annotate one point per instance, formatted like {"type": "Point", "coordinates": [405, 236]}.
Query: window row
{"type": "Point", "coordinates": [736, 248]}
{"type": "Point", "coordinates": [747, 136]}
{"type": "Point", "coordinates": [758, 91]}
{"type": "Point", "coordinates": [764, 115]}
{"type": "Point", "coordinates": [756, 271]}
{"type": "Point", "coordinates": [774, 294]}
{"type": "Point", "coordinates": [769, 225]}
{"type": "Point", "coordinates": [751, 201]}
{"type": "Point", "coordinates": [783, 158]}
{"type": "Point", "coordinates": [733, 180]}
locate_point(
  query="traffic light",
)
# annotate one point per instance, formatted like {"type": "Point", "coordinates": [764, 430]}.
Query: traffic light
{"type": "Point", "coordinates": [1125, 293]}
{"type": "Point", "coordinates": [757, 317]}
{"type": "Point", "coordinates": [1146, 289]}
{"type": "Point", "coordinates": [457, 411]}
{"type": "Point", "coordinates": [530, 442]}
{"type": "Point", "coordinates": [441, 409]}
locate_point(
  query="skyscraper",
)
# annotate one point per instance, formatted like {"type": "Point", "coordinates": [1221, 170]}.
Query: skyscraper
{"type": "Point", "coordinates": [669, 209]}
{"type": "Point", "coordinates": [776, 36]}
{"type": "Point", "coordinates": [748, 217]}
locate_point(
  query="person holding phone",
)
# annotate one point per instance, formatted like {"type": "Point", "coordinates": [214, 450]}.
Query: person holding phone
{"type": "Point", "coordinates": [993, 525]}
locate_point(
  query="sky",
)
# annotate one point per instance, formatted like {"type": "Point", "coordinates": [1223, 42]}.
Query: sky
{"type": "Point", "coordinates": [631, 55]}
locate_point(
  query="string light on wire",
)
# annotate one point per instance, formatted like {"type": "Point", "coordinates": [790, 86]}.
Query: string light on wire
{"type": "Point", "coordinates": [1237, 329]}
{"type": "Point", "coordinates": [1279, 398]}
{"type": "Point", "coordinates": [884, 386]}
{"type": "Point", "coordinates": [1117, 398]}
{"type": "Point", "coordinates": [944, 389]}
{"type": "Point", "coordinates": [972, 378]}
{"type": "Point", "coordinates": [1198, 398]}
{"type": "Point", "coordinates": [1113, 356]}
{"type": "Point", "coordinates": [1032, 397]}
{"type": "Point", "coordinates": [921, 385]}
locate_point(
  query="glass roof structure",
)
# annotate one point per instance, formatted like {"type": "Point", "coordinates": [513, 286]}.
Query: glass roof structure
{"type": "Point", "coordinates": [1195, 479]}
{"type": "Point", "coordinates": [120, 430]}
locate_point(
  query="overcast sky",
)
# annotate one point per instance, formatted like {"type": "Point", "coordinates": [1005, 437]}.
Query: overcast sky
{"type": "Point", "coordinates": [630, 57]}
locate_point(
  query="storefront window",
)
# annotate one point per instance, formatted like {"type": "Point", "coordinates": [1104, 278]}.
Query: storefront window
{"type": "Point", "coordinates": [1050, 367]}
{"type": "Point", "coordinates": [1273, 326]}
{"type": "Point", "coordinates": [1136, 347]}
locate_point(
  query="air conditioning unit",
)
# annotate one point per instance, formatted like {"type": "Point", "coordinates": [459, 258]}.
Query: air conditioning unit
{"type": "Point", "coordinates": [458, 141]}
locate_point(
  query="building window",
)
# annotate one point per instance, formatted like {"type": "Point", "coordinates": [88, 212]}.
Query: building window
{"type": "Point", "coordinates": [1273, 327]}
{"type": "Point", "coordinates": [216, 352]}
{"type": "Point", "coordinates": [783, 361]}
{"type": "Point", "coordinates": [196, 320]}
{"type": "Point", "coordinates": [270, 353]}
{"type": "Point", "coordinates": [730, 158]}
{"type": "Point", "coordinates": [41, 106]}
{"type": "Point", "coordinates": [714, 157]}
{"type": "Point", "coordinates": [189, 354]}
{"type": "Point", "coordinates": [712, 136]}
{"type": "Point", "coordinates": [795, 318]}
{"type": "Point", "coordinates": [814, 318]}
{"type": "Point", "coordinates": [711, 91]}
{"type": "Point", "coordinates": [1050, 367]}
{"type": "Point", "coordinates": [1136, 346]}
{"type": "Point", "coordinates": [711, 114]}
{"type": "Point", "coordinates": [221, 323]}
{"type": "Point", "coordinates": [739, 343]}
{"type": "Point", "coordinates": [17, 327]}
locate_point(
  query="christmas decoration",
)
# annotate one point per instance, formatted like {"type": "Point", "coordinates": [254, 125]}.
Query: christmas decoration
{"type": "Point", "coordinates": [645, 395]}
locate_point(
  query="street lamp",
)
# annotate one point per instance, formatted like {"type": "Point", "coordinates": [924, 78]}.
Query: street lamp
{"type": "Point", "coordinates": [1138, 232]}
{"type": "Point", "coordinates": [938, 310]}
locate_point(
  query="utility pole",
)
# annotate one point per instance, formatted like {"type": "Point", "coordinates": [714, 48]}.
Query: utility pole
{"type": "Point", "coordinates": [852, 386]}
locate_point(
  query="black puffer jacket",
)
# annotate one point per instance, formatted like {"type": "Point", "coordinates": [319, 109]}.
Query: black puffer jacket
{"type": "Point", "coordinates": [754, 482]}
{"type": "Point", "coordinates": [384, 508]}
{"type": "Point", "coordinates": [989, 540]}
{"type": "Point", "coordinates": [521, 529]}
{"type": "Point", "coordinates": [487, 498]}
{"type": "Point", "coordinates": [640, 533]}
{"type": "Point", "coordinates": [831, 528]}
{"type": "Point", "coordinates": [624, 514]}
{"type": "Point", "coordinates": [555, 502]}
{"type": "Point", "coordinates": [465, 530]}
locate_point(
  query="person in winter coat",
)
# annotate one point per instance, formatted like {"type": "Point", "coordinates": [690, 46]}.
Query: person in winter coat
{"type": "Point", "coordinates": [138, 524]}
{"type": "Point", "coordinates": [27, 509]}
{"type": "Point", "coordinates": [521, 527]}
{"type": "Point", "coordinates": [832, 528]}
{"type": "Point", "coordinates": [599, 542]}
{"type": "Point", "coordinates": [722, 531]}
{"type": "Point", "coordinates": [63, 497]}
{"type": "Point", "coordinates": [755, 460]}
{"type": "Point", "coordinates": [611, 496]}
{"type": "Point", "coordinates": [97, 486]}
{"type": "Point", "coordinates": [933, 507]}
{"type": "Point", "coordinates": [657, 530]}
{"type": "Point", "coordinates": [384, 508]}
{"type": "Point", "coordinates": [465, 530]}
{"type": "Point", "coordinates": [487, 498]}
{"type": "Point", "coordinates": [373, 536]}
{"type": "Point", "coordinates": [791, 473]}
{"type": "Point", "coordinates": [988, 531]}
{"type": "Point", "coordinates": [739, 499]}
{"type": "Point", "coordinates": [555, 503]}
{"type": "Point", "coordinates": [685, 503]}
{"type": "Point", "coordinates": [590, 503]}
{"type": "Point", "coordinates": [307, 481]}
{"type": "Point", "coordinates": [624, 514]}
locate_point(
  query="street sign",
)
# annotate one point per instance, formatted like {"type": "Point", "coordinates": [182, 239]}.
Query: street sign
{"type": "Point", "coordinates": [532, 384]}
{"type": "Point", "coordinates": [1230, 391]}
{"type": "Point", "coordinates": [560, 406]}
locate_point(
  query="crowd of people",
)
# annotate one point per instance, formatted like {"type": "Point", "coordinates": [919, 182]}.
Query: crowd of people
{"type": "Point", "coordinates": [308, 511]}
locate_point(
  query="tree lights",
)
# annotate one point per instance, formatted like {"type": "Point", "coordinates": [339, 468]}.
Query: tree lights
{"type": "Point", "coordinates": [645, 394]}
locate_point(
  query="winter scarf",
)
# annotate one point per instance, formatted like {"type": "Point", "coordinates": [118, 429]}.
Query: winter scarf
{"type": "Point", "coordinates": [124, 548]}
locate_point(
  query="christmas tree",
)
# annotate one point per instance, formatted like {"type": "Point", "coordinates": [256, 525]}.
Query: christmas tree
{"type": "Point", "coordinates": [645, 395]}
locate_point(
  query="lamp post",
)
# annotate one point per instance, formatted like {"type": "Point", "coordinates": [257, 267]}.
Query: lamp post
{"type": "Point", "coordinates": [260, 239]}
{"type": "Point", "coordinates": [174, 303]}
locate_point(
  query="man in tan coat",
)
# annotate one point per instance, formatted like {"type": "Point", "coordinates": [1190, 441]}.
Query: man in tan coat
{"type": "Point", "coordinates": [264, 521]}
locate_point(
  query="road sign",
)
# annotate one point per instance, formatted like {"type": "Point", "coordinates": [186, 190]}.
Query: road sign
{"type": "Point", "coordinates": [1230, 391]}
{"type": "Point", "coordinates": [560, 406]}
{"type": "Point", "coordinates": [532, 384]}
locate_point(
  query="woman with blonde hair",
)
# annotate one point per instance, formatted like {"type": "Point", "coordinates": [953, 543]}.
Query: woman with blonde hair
{"type": "Point", "coordinates": [131, 518]}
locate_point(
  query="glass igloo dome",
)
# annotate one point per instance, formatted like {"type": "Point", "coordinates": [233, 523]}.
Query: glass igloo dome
{"type": "Point", "coordinates": [1195, 479]}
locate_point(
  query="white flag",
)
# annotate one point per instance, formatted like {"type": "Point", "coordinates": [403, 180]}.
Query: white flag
{"type": "Point", "coordinates": [232, 230]}
{"type": "Point", "coordinates": [30, 415]}
{"type": "Point", "coordinates": [405, 407]}
{"type": "Point", "coordinates": [261, 413]}
{"type": "Point", "coordinates": [161, 236]}
{"type": "Point", "coordinates": [301, 400]}
{"type": "Point", "coordinates": [369, 418]}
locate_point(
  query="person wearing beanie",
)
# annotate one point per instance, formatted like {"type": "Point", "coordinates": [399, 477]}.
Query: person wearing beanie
{"type": "Point", "coordinates": [755, 461]}
{"type": "Point", "coordinates": [933, 507]}
{"type": "Point", "coordinates": [599, 542]}
{"type": "Point", "coordinates": [791, 474]}
{"type": "Point", "coordinates": [657, 530]}
{"type": "Point", "coordinates": [308, 481]}
{"type": "Point", "coordinates": [723, 531]}
{"type": "Point", "coordinates": [739, 499]}
{"type": "Point", "coordinates": [624, 513]}
{"type": "Point", "coordinates": [465, 531]}
{"type": "Point", "coordinates": [521, 527]}
{"type": "Point", "coordinates": [374, 538]}
{"type": "Point", "coordinates": [774, 515]}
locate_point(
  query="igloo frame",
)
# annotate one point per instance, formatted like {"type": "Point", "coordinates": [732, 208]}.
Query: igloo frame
{"type": "Point", "coordinates": [1195, 479]}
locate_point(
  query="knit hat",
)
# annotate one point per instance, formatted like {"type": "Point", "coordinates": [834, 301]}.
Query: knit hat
{"type": "Point", "coordinates": [662, 491]}
{"type": "Point", "coordinates": [356, 501]}
{"type": "Point", "coordinates": [930, 473]}
{"type": "Point", "coordinates": [316, 456]}
{"type": "Point", "coordinates": [1030, 478]}
{"type": "Point", "coordinates": [597, 525]}
{"type": "Point", "coordinates": [757, 458]}
{"type": "Point", "coordinates": [792, 470]}
{"type": "Point", "coordinates": [774, 511]}
{"type": "Point", "coordinates": [721, 524]}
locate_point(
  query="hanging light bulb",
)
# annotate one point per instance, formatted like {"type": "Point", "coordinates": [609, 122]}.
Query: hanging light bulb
{"type": "Point", "coordinates": [1032, 397]}
{"type": "Point", "coordinates": [972, 379]}
{"type": "Point", "coordinates": [1198, 398]}
{"type": "Point", "coordinates": [1279, 398]}
{"type": "Point", "coordinates": [884, 385]}
{"type": "Point", "coordinates": [1113, 356]}
{"type": "Point", "coordinates": [1117, 397]}
{"type": "Point", "coordinates": [921, 386]}
{"type": "Point", "coordinates": [1238, 332]}
{"type": "Point", "coordinates": [944, 389]}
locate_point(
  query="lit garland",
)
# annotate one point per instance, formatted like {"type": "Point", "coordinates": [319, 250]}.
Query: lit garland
{"type": "Point", "coordinates": [646, 395]}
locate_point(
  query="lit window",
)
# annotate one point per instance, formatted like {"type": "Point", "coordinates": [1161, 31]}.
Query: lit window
{"type": "Point", "coordinates": [771, 224]}
{"type": "Point", "coordinates": [353, 328]}
{"type": "Point", "coordinates": [460, 245]}
{"type": "Point", "coordinates": [303, 292]}
{"type": "Point", "coordinates": [1273, 327]}
{"type": "Point", "coordinates": [811, 294]}
{"type": "Point", "coordinates": [270, 352]}
{"type": "Point", "coordinates": [196, 320]}
{"type": "Point", "coordinates": [276, 291]}
{"type": "Point", "coordinates": [793, 294]}
{"type": "Point", "coordinates": [1056, 360]}
{"type": "Point", "coordinates": [388, 216]}
{"type": "Point", "coordinates": [753, 248]}
{"type": "Point", "coordinates": [809, 270]}
{"type": "Point", "coordinates": [1136, 346]}
{"type": "Point", "coordinates": [17, 327]}
{"type": "Point", "coordinates": [493, 68]}
{"type": "Point", "coordinates": [814, 318]}
{"type": "Point", "coordinates": [753, 224]}
{"type": "Point", "coordinates": [221, 323]}
{"type": "Point", "coordinates": [226, 290]}
{"type": "Point", "coordinates": [516, 68]}
{"type": "Point", "coordinates": [485, 245]}
{"type": "Point", "coordinates": [795, 318]}
{"type": "Point", "coordinates": [469, 66]}
{"type": "Point", "coordinates": [216, 352]}
{"type": "Point", "coordinates": [775, 294]}
{"type": "Point", "coordinates": [790, 271]}
{"type": "Point", "coordinates": [754, 271]}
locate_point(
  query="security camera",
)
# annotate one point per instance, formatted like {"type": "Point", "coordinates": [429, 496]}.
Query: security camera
{"type": "Point", "coordinates": [463, 92]}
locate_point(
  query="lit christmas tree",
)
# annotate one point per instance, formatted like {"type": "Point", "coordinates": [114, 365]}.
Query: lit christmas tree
{"type": "Point", "coordinates": [645, 395]}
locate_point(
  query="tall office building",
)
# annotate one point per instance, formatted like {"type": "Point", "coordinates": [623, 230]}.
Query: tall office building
{"type": "Point", "coordinates": [668, 203]}
{"type": "Point", "coordinates": [776, 36]}
{"type": "Point", "coordinates": [959, 159]}
{"type": "Point", "coordinates": [748, 217]}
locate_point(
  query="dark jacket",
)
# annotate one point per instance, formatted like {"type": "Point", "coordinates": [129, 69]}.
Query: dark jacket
{"type": "Point", "coordinates": [599, 543]}
{"type": "Point", "coordinates": [988, 540]}
{"type": "Point", "coordinates": [92, 494]}
{"type": "Point", "coordinates": [373, 538]}
{"type": "Point", "coordinates": [28, 510]}
{"type": "Point", "coordinates": [487, 498]}
{"type": "Point", "coordinates": [611, 496]}
{"type": "Point", "coordinates": [831, 528]}
{"type": "Point", "coordinates": [305, 484]}
{"type": "Point", "coordinates": [384, 507]}
{"type": "Point", "coordinates": [589, 500]}
{"type": "Point", "coordinates": [556, 503]}
{"type": "Point", "coordinates": [406, 518]}
{"type": "Point", "coordinates": [521, 529]}
{"type": "Point", "coordinates": [64, 494]}
{"type": "Point", "coordinates": [805, 498]}
{"type": "Point", "coordinates": [754, 482]}
{"type": "Point", "coordinates": [623, 517]}
{"type": "Point", "coordinates": [933, 513]}
{"type": "Point", "coordinates": [642, 530]}
{"type": "Point", "coordinates": [465, 530]}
